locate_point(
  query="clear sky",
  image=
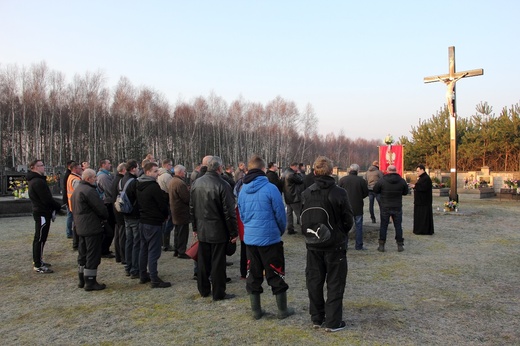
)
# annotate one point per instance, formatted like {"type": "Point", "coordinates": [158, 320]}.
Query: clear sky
{"type": "Point", "coordinates": [360, 64]}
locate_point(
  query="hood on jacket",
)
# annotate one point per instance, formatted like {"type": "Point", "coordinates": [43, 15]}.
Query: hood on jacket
{"type": "Point", "coordinates": [162, 170]}
{"type": "Point", "coordinates": [392, 178]}
{"type": "Point", "coordinates": [31, 175]}
{"type": "Point", "coordinates": [252, 186]}
{"type": "Point", "coordinates": [252, 174]}
{"type": "Point", "coordinates": [324, 181]}
{"type": "Point", "coordinates": [373, 168]}
{"type": "Point", "coordinates": [144, 181]}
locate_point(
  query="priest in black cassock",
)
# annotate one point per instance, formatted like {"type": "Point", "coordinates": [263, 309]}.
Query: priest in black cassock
{"type": "Point", "coordinates": [422, 211]}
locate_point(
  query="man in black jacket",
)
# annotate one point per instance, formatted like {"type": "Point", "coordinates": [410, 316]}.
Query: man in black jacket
{"type": "Point", "coordinates": [90, 214]}
{"type": "Point", "coordinates": [328, 263]}
{"type": "Point", "coordinates": [132, 246]}
{"type": "Point", "coordinates": [392, 189]}
{"type": "Point", "coordinates": [357, 190]}
{"type": "Point", "coordinates": [272, 176]}
{"type": "Point", "coordinates": [292, 190]}
{"type": "Point", "coordinates": [212, 209]}
{"type": "Point", "coordinates": [153, 210]}
{"type": "Point", "coordinates": [44, 206]}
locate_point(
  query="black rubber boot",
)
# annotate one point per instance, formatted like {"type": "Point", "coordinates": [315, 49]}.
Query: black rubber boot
{"type": "Point", "coordinates": [256, 307]}
{"type": "Point", "coordinates": [90, 281]}
{"type": "Point", "coordinates": [81, 277]}
{"type": "Point", "coordinates": [381, 247]}
{"type": "Point", "coordinates": [283, 310]}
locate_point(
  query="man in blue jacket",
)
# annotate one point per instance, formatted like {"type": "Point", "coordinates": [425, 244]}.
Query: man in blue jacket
{"type": "Point", "coordinates": [263, 214]}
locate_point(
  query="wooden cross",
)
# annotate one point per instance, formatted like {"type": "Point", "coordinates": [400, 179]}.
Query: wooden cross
{"type": "Point", "coordinates": [450, 79]}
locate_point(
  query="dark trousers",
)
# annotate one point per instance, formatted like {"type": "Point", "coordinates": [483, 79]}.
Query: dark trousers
{"type": "Point", "coordinates": [297, 209]}
{"type": "Point", "coordinates": [330, 267]}
{"type": "Point", "coordinates": [371, 196]}
{"type": "Point", "coordinates": [243, 259]}
{"type": "Point", "coordinates": [42, 224]}
{"type": "Point", "coordinates": [120, 242]}
{"type": "Point", "coordinates": [109, 236]}
{"type": "Point", "coordinates": [68, 224]}
{"type": "Point", "coordinates": [75, 237]}
{"type": "Point", "coordinates": [89, 251]}
{"type": "Point", "coordinates": [271, 259]}
{"type": "Point", "coordinates": [397, 216]}
{"type": "Point", "coordinates": [180, 237]}
{"type": "Point", "coordinates": [212, 262]}
{"type": "Point", "coordinates": [151, 241]}
{"type": "Point", "coordinates": [132, 246]}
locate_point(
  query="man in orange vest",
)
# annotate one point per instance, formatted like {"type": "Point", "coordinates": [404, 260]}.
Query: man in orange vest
{"type": "Point", "coordinates": [72, 181]}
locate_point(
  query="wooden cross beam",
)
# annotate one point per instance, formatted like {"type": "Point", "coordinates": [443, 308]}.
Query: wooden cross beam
{"type": "Point", "coordinates": [450, 80]}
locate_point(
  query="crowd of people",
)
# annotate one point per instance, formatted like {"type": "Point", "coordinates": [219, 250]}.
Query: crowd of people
{"type": "Point", "coordinates": [139, 207]}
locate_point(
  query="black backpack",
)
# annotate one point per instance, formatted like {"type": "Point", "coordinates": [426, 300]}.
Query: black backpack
{"type": "Point", "coordinates": [318, 225]}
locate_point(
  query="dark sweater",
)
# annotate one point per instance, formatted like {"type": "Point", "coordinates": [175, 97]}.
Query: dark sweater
{"type": "Point", "coordinates": [152, 200]}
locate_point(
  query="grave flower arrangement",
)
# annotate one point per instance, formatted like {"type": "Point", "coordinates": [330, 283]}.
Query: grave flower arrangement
{"type": "Point", "coordinates": [20, 189]}
{"type": "Point", "coordinates": [451, 205]}
{"type": "Point", "coordinates": [512, 184]}
{"type": "Point", "coordinates": [51, 180]}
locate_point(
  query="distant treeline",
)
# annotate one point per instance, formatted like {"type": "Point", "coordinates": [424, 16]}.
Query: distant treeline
{"type": "Point", "coordinates": [43, 116]}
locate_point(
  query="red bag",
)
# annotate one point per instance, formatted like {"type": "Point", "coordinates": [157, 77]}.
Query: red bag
{"type": "Point", "coordinates": [193, 250]}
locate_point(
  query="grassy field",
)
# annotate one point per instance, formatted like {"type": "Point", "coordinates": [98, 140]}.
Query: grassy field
{"type": "Point", "coordinates": [457, 287]}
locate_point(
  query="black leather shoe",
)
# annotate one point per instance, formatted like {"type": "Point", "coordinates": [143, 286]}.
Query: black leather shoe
{"type": "Point", "coordinates": [227, 296]}
{"type": "Point", "coordinates": [144, 280]}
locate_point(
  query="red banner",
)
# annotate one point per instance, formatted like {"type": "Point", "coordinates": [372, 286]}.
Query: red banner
{"type": "Point", "coordinates": [391, 155]}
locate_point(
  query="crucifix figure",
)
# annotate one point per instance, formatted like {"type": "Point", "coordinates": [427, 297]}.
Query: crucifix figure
{"type": "Point", "coordinates": [450, 80]}
{"type": "Point", "coordinates": [450, 92]}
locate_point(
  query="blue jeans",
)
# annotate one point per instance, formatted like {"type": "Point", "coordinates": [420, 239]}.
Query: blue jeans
{"type": "Point", "coordinates": [371, 196]}
{"type": "Point", "coordinates": [397, 217]}
{"type": "Point", "coordinates": [132, 246]}
{"type": "Point", "coordinates": [68, 227]}
{"type": "Point", "coordinates": [167, 227]}
{"type": "Point", "coordinates": [358, 221]}
{"type": "Point", "coordinates": [151, 240]}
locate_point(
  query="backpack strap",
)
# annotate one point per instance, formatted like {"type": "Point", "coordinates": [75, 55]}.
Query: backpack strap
{"type": "Point", "coordinates": [126, 184]}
